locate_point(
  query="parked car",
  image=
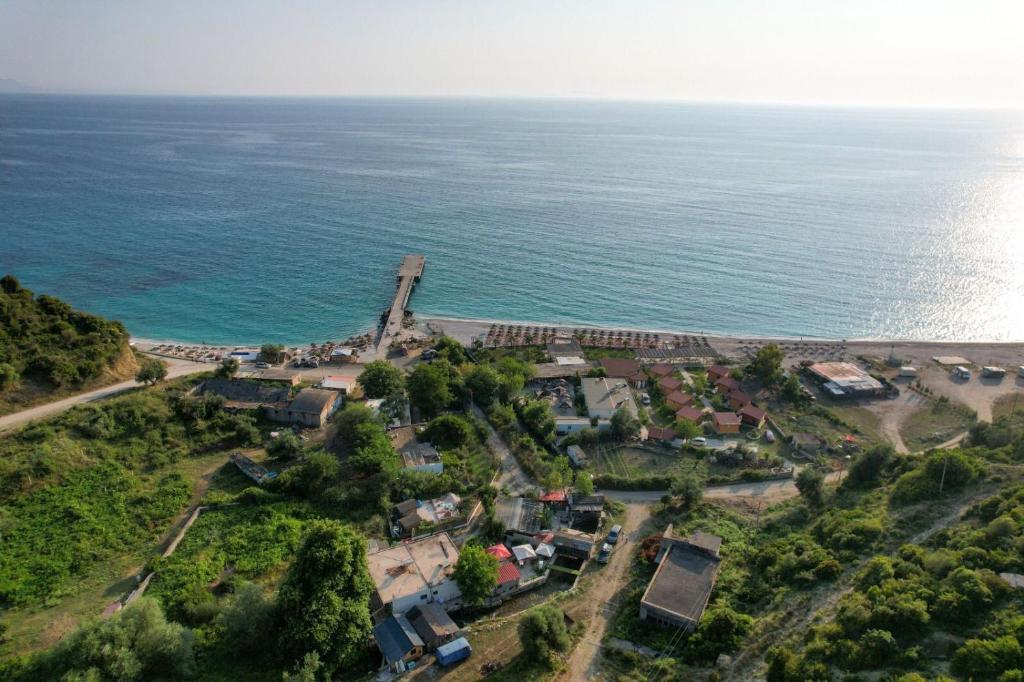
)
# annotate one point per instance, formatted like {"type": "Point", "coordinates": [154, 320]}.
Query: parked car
{"type": "Point", "coordinates": [604, 554]}
{"type": "Point", "coordinates": [1020, 371]}
{"type": "Point", "coordinates": [613, 536]}
{"type": "Point", "coordinates": [645, 399]}
{"type": "Point", "coordinates": [961, 372]}
{"type": "Point", "coordinates": [769, 436]}
{"type": "Point", "coordinates": [699, 441]}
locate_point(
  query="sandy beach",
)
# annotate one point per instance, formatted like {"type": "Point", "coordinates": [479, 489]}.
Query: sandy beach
{"type": "Point", "coordinates": [1008, 354]}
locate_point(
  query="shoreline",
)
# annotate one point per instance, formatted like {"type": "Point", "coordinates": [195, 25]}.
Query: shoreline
{"type": "Point", "coordinates": [467, 329]}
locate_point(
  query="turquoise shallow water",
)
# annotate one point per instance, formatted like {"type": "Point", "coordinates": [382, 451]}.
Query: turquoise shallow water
{"type": "Point", "coordinates": [245, 220]}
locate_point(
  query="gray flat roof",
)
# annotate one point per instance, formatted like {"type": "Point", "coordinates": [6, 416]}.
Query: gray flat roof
{"type": "Point", "coordinates": [683, 582]}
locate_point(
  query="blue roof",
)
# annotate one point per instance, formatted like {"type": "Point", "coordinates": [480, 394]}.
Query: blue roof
{"type": "Point", "coordinates": [453, 646]}
{"type": "Point", "coordinates": [396, 638]}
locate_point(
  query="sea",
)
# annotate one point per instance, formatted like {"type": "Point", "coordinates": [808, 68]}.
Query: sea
{"type": "Point", "coordinates": [245, 220]}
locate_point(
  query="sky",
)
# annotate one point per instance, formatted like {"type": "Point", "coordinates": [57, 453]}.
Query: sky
{"type": "Point", "coordinates": [947, 53]}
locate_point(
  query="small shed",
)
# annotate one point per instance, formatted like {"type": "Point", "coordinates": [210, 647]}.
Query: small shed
{"type": "Point", "coordinates": [454, 651]}
{"type": "Point", "coordinates": [577, 456]}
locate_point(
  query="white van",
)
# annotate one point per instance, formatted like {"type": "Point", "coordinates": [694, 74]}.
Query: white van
{"type": "Point", "coordinates": [961, 372]}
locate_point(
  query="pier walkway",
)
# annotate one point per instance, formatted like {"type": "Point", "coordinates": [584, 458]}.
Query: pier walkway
{"type": "Point", "coordinates": [408, 274]}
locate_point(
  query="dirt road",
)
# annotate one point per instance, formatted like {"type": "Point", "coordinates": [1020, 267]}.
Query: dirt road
{"type": "Point", "coordinates": [610, 580]}
{"type": "Point", "coordinates": [512, 476]}
{"type": "Point", "coordinates": [175, 368]}
{"type": "Point", "coordinates": [765, 491]}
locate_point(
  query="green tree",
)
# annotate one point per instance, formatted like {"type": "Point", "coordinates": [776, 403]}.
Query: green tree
{"type": "Point", "coordinates": [394, 406]}
{"type": "Point", "coordinates": [811, 484]}
{"type": "Point", "coordinates": [325, 597]}
{"type": "Point", "coordinates": [248, 619]}
{"type": "Point", "coordinates": [135, 644]}
{"type": "Point", "coordinates": [543, 634]}
{"type": "Point", "coordinates": [476, 573]}
{"type": "Point", "coordinates": [286, 446]}
{"type": "Point", "coordinates": [151, 372]}
{"type": "Point", "coordinates": [349, 417]}
{"type": "Point", "coordinates": [450, 350]}
{"type": "Point", "coordinates": [9, 377]}
{"type": "Point", "coordinates": [429, 388]}
{"type": "Point", "coordinates": [688, 489]}
{"type": "Point", "coordinates": [449, 432]}
{"type": "Point", "coordinates": [271, 352]}
{"type": "Point", "coordinates": [866, 470]}
{"type": "Point", "coordinates": [686, 429]}
{"type": "Point", "coordinates": [584, 483]}
{"type": "Point", "coordinates": [986, 659]}
{"type": "Point", "coordinates": [538, 420]}
{"type": "Point", "coordinates": [228, 368]}
{"type": "Point", "coordinates": [793, 392]}
{"type": "Point", "coordinates": [372, 450]}
{"type": "Point", "coordinates": [767, 364]}
{"type": "Point", "coordinates": [625, 426]}
{"type": "Point", "coordinates": [381, 379]}
{"type": "Point", "coordinates": [10, 285]}
{"type": "Point", "coordinates": [483, 382]}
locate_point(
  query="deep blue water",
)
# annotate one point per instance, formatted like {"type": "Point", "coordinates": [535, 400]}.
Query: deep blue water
{"type": "Point", "coordinates": [245, 220]}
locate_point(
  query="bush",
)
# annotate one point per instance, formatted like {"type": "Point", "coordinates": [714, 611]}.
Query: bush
{"type": "Point", "coordinates": [542, 633]}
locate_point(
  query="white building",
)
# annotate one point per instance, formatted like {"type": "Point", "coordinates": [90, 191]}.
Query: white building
{"type": "Point", "coordinates": [416, 572]}
{"type": "Point", "coordinates": [244, 355]}
{"type": "Point", "coordinates": [607, 396]}
{"type": "Point", "coordinates": [335, 383]}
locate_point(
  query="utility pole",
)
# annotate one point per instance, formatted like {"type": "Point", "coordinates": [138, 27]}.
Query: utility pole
{"type": "Point", "coordinates": [942, 479]}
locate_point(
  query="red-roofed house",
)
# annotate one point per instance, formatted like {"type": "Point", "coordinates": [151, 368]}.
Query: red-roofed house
{"type": "Point", "coordinates": [508, 578]}
{"type": "Point", "coordinates": [625, 368]}
{"type": "Point", "coordinates": [716, 372]}
{"type": "Point", "coordinates": [676, 399]}
{"type": "Point", "coordinates": [753, 415]}
{"type": "Point", "coordinates": [669, 384]}
{"type": "Point", "coordinates": [727, 385]}
{"type": "Point", "coordinates": [553, 497]}
{"type": "Point", "coordinates": [726, 422]}
{"type": "Point", "coordinates": [738, 399]}
{"type": "Point", "coordinates": [499, 552]}
{"type": "Point", "coordinates": [661, 433]}
{"type": "Point", "coordinates": [690, 413]}
{"type": "Point", "coordinates": [661, 369]}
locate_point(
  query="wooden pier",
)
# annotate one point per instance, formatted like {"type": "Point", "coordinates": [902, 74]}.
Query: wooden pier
{"type": "Point", "coordinates": [408, 274]}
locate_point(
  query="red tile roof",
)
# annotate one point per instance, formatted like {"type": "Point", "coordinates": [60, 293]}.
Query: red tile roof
{"type": "Point", "coordinates": [718, 371]}
{"type": "Point", "coordinates": [691, 413]}
{"type": "Point", "coordinates": [507, 572]}
{"type": "Point", "coordinates": [753, 411]}
{"type": "Point", "coordinates": [620, 368]}
{"type": "Point", "coordinates": [677, 398]}
{"type": "Point", "coordinates": [499, 552]}
{"type": "Point", "coordinates": [661, 369]}
{"type": "Point", "coordinates": [553, 496]}
{"type": "Point", "coordinates": [729, 383]}
{"type": "Point", "coordinates": [669, 384]}
{"type": "Point", "coordinates": [661, 433]}
{"type": "Point", "coordinates": [722, 418]}
{"type": "Point", "coordinates": [740, 397]}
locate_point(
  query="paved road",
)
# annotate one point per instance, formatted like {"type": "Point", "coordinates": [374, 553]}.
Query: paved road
{"type": "Point", "coordinates": [175, 368]}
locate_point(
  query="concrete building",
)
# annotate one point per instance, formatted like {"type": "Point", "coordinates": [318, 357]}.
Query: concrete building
{"type": "Point", "coordinates": [311, 407]}
{"type": "Point", "coordinates": [845, 380]}
{"type": "Point", "coordinates": [605, 397]}
{"type": "Point", "coordinates": [687, 570]}
{"type": "Point", "coordinates": [433, 624]}
{"type": "Point", "coordinates": [336, 383]}
{"type": "Point", "coordinates": [567, 425]}
{"type": "Point", "coordinates": [574, 543]}
{"type": "Point", "coordinates": [414, 573]}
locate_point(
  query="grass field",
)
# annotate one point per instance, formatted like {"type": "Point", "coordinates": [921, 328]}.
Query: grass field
{"type": "Point", "coordinates": [935, 424]}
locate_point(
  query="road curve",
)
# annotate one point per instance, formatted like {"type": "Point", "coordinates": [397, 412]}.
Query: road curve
{"type": "Point", "coordinates": [175, 368]}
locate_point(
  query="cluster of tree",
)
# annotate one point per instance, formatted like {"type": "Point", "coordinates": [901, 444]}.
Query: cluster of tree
{"type": "Point", "coordinates": [476, 573]}
{"type": "Point", "coordinates": [272, 353]}
{"type": "Point", "coordinates": [320, 620]}
{"type": "Point", "coordinates": [44, 340]}
{"type": "Point", "coordinates": [381, 379]}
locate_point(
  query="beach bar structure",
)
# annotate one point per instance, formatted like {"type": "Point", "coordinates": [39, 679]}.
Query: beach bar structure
{"type": "Point", "coordinates": [408, 274]}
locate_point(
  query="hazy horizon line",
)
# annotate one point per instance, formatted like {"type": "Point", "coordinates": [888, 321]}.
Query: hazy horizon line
{"type": "Point", "coordinates": [35, 91]}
